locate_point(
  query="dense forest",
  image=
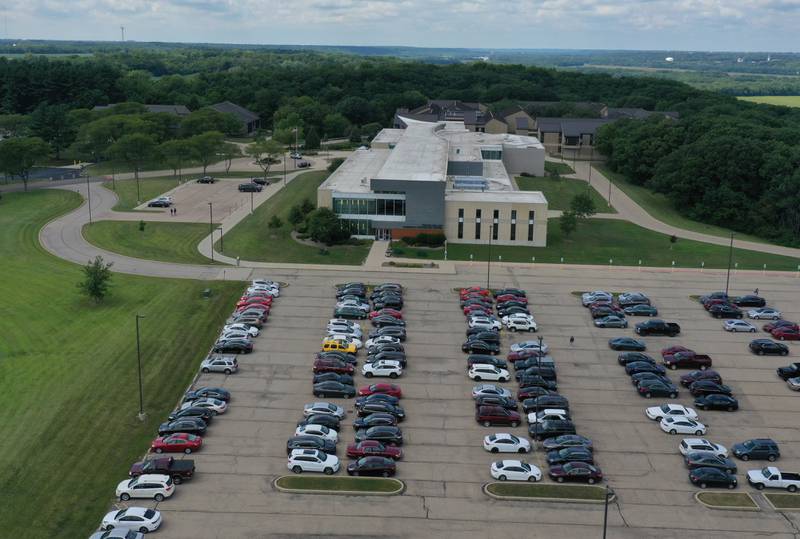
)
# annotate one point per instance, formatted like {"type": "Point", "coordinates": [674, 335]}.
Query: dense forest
{"type": "Point", "coordinates": [725, 162]}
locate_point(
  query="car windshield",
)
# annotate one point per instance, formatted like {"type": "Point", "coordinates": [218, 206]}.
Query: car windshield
{"type": "Point", "coordinates": [665, 408]}
{"type": "Point", "coordinates": [749, 444]}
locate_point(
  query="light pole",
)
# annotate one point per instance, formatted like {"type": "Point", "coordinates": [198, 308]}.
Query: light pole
{"type": "Point", "coordinates": [139, 361]}
{"type": "Point", "coordinates": [539, 355]}
{"type": "Point", "coordinates": [211, 228]}
{"type": "Point", "coordinates": [730, 260]}
{"type": "Point", "coordinates": [221, 245]}
{"type": "Point", "coordinates": [251, 202]}
{"type": "Point", "coordinates": [609, 494]}
{"type": "Point", "coordinates": [609, 193]}
{"type": "Point", "coordinates": [88, 193]}
{"type": "Point", "coordinates": [489, 260]}
{"type": "Point", "coordinates": [284, 168]}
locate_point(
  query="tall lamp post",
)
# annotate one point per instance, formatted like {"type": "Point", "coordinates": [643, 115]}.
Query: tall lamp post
{"type": "Point", "coordinates": [730, 260]}
{"type": "Point", "coordinates": [139, 361]}
{"type": "Point", "coordinates": [539, 355]}
{"type": "Point", "coordinates": [609, 494]}
{"type": "Point", "coordinates": [489, 260]}
{"type": "Point", "coordinates": [284, 168]}
{"type": "Point", "coordinates": [211, 228]}
{"type": "Point", "coordinates": [221, 244]}
{"type": "Point", "coordinates": [88, 192]}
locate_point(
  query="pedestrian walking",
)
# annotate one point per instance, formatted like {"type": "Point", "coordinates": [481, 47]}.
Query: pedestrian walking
{"type": "Point", "coordinates": [571, 340]}
{"type": "Point", "coordinates": [755, 291]}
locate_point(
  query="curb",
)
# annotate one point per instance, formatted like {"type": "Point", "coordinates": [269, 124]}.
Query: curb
{"type": "Point", "coordinates": [727, 507]}
{"type": "Point", "coordinates": [778, 509]}
{"type": "Point", "coordinates": [400, 490]}
{"type": "Point", "coordinates": [485, 489]}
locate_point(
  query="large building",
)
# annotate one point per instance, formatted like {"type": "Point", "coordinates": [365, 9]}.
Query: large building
{"type": "Point", "coordinates": [440, 177]}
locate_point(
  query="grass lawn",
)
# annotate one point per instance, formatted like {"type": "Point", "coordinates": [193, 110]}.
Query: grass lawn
{"type": "Point", "coordinates": [784, 100]}
{"type": "Point", "coordinates": [660, 207]}
{"type": "Point", "coordinates": [543, 490]}
{"type": "Point", "coordinates": [561, 168]}
{"type": "Point", "coordinates": [69, 431]}
{"type": "Point", "coordinates": [598, 240]}
{"type": "Point", "coordinates": [120, 167]}
{"type": "Point", "coordinates": [168, 242]}
{"type": "Point", "coordinates": [560, 192]}
{"type": "Point", "coordinates": [784, 501]}
{"type": "Point", "coordinates": [253, 240]}
{"type": "Point", "coordinates": [149, 188]}
{"type": "Point", "coordinates": [322, 482]}
{"type": "Point", "coordinates": [727, 499]}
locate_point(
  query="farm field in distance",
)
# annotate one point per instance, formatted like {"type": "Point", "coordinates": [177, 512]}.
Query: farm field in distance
{"type": "Point", "coordinates": [784, 100]}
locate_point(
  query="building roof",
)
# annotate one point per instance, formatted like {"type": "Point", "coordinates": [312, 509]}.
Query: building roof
{"type": "Point", "coordinates": [178, 110]}
{"type": "Point", "coordinates": [636, 113]}
{"type": "Point", "coordinates": [242, 113]}
{"type": "Point", "coordinates": [518, 197]}
{"type": "Point", "coordinates": [355, 173]}
{"type": "Point", "coordinates": [571, 127]}
{"type": "Point", "coordinates": [419, 155]}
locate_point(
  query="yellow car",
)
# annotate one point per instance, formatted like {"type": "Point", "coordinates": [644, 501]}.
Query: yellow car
{"type": "Point", "coordinates": [335, 345]}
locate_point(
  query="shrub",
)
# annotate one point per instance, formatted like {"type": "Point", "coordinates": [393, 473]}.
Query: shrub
{"type": "Point", "coordinates": [141, 226]}
{"type": "Point", "coordinates": [335, 162]}
{"type": "Point", "coordinates": [422, 254]}
{"type": "Point", "coordinates": [425, 240]}
{"type": "Point", "coordinates": [324, 251]}
{"type": "Point", "coordinates": [275, 222]}
{"type": "Point", "coordinates": [526, 175]}
{"type": "Point", "coordinates": [296, 215]}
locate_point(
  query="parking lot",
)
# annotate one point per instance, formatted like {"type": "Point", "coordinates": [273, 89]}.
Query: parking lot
{"type": "Point", "coordinates": [444, 464]}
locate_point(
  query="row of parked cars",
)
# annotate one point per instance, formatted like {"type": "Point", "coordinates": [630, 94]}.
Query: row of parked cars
{"type": "Point", "coordinates": [610, 311]}
{"type": "Point", "coordinates": [377, 437]}
{"type": "Point", "coordinates": [156, 477]}
{"type": "Point", "coordinates": [569, 455]}
{"type": "Point", "coordinates": [721, 305]}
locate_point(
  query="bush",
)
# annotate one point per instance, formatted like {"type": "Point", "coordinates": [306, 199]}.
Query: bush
{"type": "Point", "coordinates": [324, 227]}
{"type": "Point", "coordinates": [141, 226]}
{"type": "Point", "coordinates": [526, 175]}
{"type": "Point", "coordinates": [422, 254]}
{"type": "Point", "coordinates": [275, 222]}
{"type": "Point", "coordinates": [296, 215]}
{"type": "Point", "coordinates": [335, 163]}
{"type": "Point", "coordinates": [425, 240]}
{"type": "Point", "coordinates": [307, 206]}
{"type": "Point", "coordinates": [324, 251]}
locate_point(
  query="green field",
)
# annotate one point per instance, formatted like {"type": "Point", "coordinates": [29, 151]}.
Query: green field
{"type": "Point", "coordinates": [598, 240]}
{"type": "Point", "coordinates": [168, 242]}
{"type": "Point", "coordinates": [544, 490]}
{"type": "Point", "coordinates": [784, 100]}
{"type": "Point", "coordinates": [69, 431]}
{"type": "Point", "coordinates": [784, 501]}
{"type": "Point", "coordinates": [360, 484]}
{"type": "Point", "coordinates": [253, 240]}
{"type": "Point", "coordinates": [559, 192]}
{"type": "Point", "coordinates": [561, 168]}
{"type": "Point", "coordinates": [149, 188]}
{"type": "Point", "coordinates": [660, 207]}
{"type": "Point", "coordinates": [727, 499]}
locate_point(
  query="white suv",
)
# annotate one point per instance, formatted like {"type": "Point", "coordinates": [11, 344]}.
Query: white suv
{"type": "Point", "coordinates": [226, 364]}
{"type": "Point", "coordinates": [383, 367]}
{"type": "Point", "coordinates": [556, 414]}
{"type": "Point", "coordinates": [155, 486]}
{"type": "Point", "coordinates": [520, 322]}
{"type": "Point", "coordinates": [690, 445]}
{"type": "Point", "coordinates": [482, 371]}
{"type": "Point", "coordinates": [312, 460]}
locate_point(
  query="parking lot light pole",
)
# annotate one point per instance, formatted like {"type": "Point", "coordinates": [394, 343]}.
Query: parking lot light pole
{"type": "Point", "coordinates": [251, 202]}
{"type": "Point", "coordinates": [88, 194]}
{"type": "Point", "coordinates": [211, 227]}
{"type": "Point", "coordinates": [489, 260]}
{"type": "Point", "coordinates": [284, 168]}
{"type": "Point", "coordinates": [609, 493]}
{"type": "Point", "coordinates": [539, 355]}
{"type": "Point", "coordinates": [141, 415]}
{"type": "Point", "coordinates": [730, 260]}
{"type": "Point", "coordinates": [221, 244]}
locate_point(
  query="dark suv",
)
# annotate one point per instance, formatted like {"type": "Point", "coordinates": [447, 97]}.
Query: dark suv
{"type": "Point", "coordinates": [496, 415]}
{"type": "Point", "coordinates": [757, 449]}
{"type": "Point", "coordinates": [550, 429]}
{"type": "Point", "coordinates": [250, 188]}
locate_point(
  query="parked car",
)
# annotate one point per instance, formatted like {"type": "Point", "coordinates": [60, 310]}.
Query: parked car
{"type": "Point", "coordinates": [160, 202]}
{"type": "Point", "coordinates": [631, 357]}
{"type": "Point", "coordinates": [657, 327]}
{"type": "Point", "coordinates": [250, 188]}
{"type": "Point", "coordinates": [779, 324]}
{"type": "Point", "coordinates": [177, 443]}
{"type": "Point", "coordinates": [372, 466]}
{"type": "Point", "coordinates": [570, 454]}
{"type": "Point", "coordinates": [696, 376]}
{"type": "Point", "coordinates": [611, 321]}
{"type": "Point", "coordinates": [389, 389]}
{"type": "Point", "coordinates": [345, 379]}
{"type": "Point", "coordinates": [515, 470]}
{"type": "Point", "coordinates": [326, 420]}
{"type": "Point", "coordinates": [749, 300]}
{"type": "Point", "coordinates": [235, 346]}
{"type": "Point", "coordinates": [577, 472]}
{"type": "Point", "coordinates": [489, 389]}
{"type": "Point", "coordinates": [725, 310]}
{"type": "Point", "coordinates": [636, 367]}
{"type": "Point", "coordinates": [480, 347]}
{"type": "Point", "coordinates": [216, 406]}
{"type": "Point", "coordinates": [707, 387]}
{"type": "Point", "coordinates": [496, 415]}
{"type": "Point", "coordinates": [484, 359]}
{"type": "Point", "coordinates": [757, 449]}
{"type": "Point", "coordinates": [712, 477]}
{"type": "Point", "coordinates": [142, 519]}
{"type": "Point", "coordinates": [317, 430]}
{"type": "Point", "coordinates": [786, 334]}
{"type": "Point", "coordinates": [717, 401]}
{"type": "Point", "coordinates": [656, 388]}
{"type": "Point", "coordinates": [544, 402]}
{"type": "Point", "coordinates": [657, 413]}
{"type": "Point", "coordinates": [312, 460]}
{"type": "Point", "coordinates": [700, 459]}
{"type": "Point", "coordinates": [481, 371]}
{"type": "Point", "coordinates": [790, 371]}
{"type": "Point", "coordinates": [374, 420]}
{"type": "Point", "coordinates": [532, 346]}
{"type": "Point", "coordinates": [503, 442]}
{"type": "Point", "coordinates": [372, 407]}
{"type": "Point", "coordinates": [324, 408]}
{"type": "Point", "coordinates": [690, 445]}
{"type": "Point", "coordinates": [764, 313]}
{"type": "Point", "coordinates": [736, 325]}
{"type": "Point", "coordinates": [178, 470]}
{"type": "Point", "coordinates": [520, 322]}
{"type": "Point", "coordinates": [383, 367]}
{"type": "Point", "coordinates": [349, 313]}
{"type": "Point", "coordinates": [332, 365]}
{"type": "Point", "coordinates": [682, 425]}
{"type": "Point", "coordinates": [155, 486]}
{"type": "Point", "coordinates": [186, 425]}
{"type": "Point", "coordinates": [772, 477]}
{"type": "Point", "coordinates": [550, 429]}
{"type": "Point", "coordinates": [768, 347]}
{"type": "Point", "coordinates": [567, 440]}
{"type": "Point", "coordinates": [640, 310]}
{"type": "Point", "coordinates": [310, 442]}
{"type": "Point", "coordinates": [385, 434]}
{"type": "Point", "coordinates": [687, 360]}
{"type": "Point", "coordinates": [627, 343]}
{"type": "Point", "coordinates": [206, 414]}
{"type": "Point", "coordinates": [224, 364]}
{"type": "Point", "coordinates": [373, 448]}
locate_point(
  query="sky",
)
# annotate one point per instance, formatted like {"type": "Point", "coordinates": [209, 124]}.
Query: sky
{"type": "Point", "coordinates": [708, 25]}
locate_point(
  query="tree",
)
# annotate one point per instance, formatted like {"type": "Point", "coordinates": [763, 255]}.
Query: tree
{"type": "Point", "coordinates": [355, 134]}
{"type": "Point", "coordinates": [287, 135]}
{"type": "Point", "coordinates": [357, 109]}
{"type": "Point", "coordinates": [568, 223]}
{"type": "Point", "coordinates": [13, 125]}
{"type": "Point", "coordinates": [204, 120]}
{"type": "Point", "coordinates": [312, 140]}
{"type": "Point", "coordinates": [370, 130]}
{"type": "Point", "coordinates": [19, 155]}
{"type": "Point", "coordinates": [335, 125]}
{"type": "Point", "coordinates": [206, 147]}
{"type": "Point", "coordinates": [335, 163]}
{"type": "Point", "coordinates": [97, 277]}
{"type": "Point", "coordinates": [176, 153]}
{"type": "Point", "coordinates": [51, 124]}
{"type": "Point", "coordinates": [582, 206]}
{"type": "Point", "coordinates": [135, 150]}
{"type": "Point", "coordinates": [275, 222]}
{"type": "Point", "coordinates": [296, 215]}
{"type": "Point", "coordinates": [307, 206]}
{"type": "Point", "coordinates": [229, 152]}
{"type": "Point", "coordinates": [324, 227]}
{"type": "Point", "coordinates": [672, 241]}
{"type": "Point", "coordinates": [264, 152]}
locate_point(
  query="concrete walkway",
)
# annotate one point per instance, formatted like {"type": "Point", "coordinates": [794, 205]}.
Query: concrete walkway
{"type": "Point", "coordinates": [629, 210]}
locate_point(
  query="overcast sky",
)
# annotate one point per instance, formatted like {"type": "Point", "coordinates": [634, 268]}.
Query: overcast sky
{"type": "Point", "coordinates": [741, 25]}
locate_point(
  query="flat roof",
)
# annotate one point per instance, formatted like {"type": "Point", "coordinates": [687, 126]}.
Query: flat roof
{"type": "Point", "coordinates": [419, 155]}
{"type": "Point", "coordinates": [355, 173]}
{"type": "Point", "coordinates": [516, 197]}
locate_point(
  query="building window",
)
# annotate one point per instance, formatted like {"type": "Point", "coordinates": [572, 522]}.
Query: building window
{"type": "Point", "coordinates": [513, 233]}
{"type": "Point", "coordinates": [530, 225]}
{"type": "Point", "coordinates": [477, 224]}
{"type": "Point", "coordinates": [495, 224]}
{"type": "Point", "coordinates": [460, 223]}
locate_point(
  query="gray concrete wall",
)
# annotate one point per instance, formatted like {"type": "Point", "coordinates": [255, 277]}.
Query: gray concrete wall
{"type": "Point", "coordinates": [518, 160]}
{"type": "Point", "coordinates": [424, 200]}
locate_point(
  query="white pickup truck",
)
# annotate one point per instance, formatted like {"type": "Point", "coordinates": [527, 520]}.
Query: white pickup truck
{"type": "Point", "coordinates": [771, 477]}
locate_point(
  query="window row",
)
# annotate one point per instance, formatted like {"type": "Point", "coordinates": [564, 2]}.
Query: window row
{"type": "Point", "coordinates": [369, 206]}
{"type": "Point", "coordinates": [495, 225]}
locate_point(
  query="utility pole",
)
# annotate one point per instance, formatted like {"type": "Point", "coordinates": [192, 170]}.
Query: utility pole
{"type": "Point", "coordinates": [251, 202]}
{"type": "Point", "coordinates": [730, 260]}
{"type": "Point", "coordinates": [211, 228]}
{"type": "Point", "coordinates": [139, 361]}
{"type": "Point", "coordinates": [489, 260]}
{"type": "Point", "coordinates": [221, 245]}
{"type": "Point", "coordinates": [609, 493]}
{"type": "Point", "coordinates": [88, 193]}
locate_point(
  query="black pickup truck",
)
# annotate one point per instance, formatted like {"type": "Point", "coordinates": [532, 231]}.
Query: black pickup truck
{"type": "Point", "coordinates": [658, 327]}
{"type": "Point", "coordinates": [178, 470]}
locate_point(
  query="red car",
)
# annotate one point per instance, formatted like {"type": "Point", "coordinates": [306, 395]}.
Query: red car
{"type": "Point", "coordinates": [786, 333]}
{"type": "Point", "coordinates": [257, 306]}
{"type": "Point", "coordinates": [710, 303]}
{"type": "Point", "coordinates": [389, 389]}
{"type": "Point", "coordinates": [476, 290]}
{"type": "Point", "coordinates": [477, 308]}
{"type": "Point", "coordinates": [779, 324]}
{"type": "Point", "coordinates": [332, 365]}
{"type": "Point", "coordinates": [248, 302]}
{"type": "Point", "coordinates": [687, 360]}
{"type": "Point", "coordinates": [673, 350]}
{"type": "Point", "coordinates": [177, 443]}
{"type": "Point", "coordinates": [253, 299]}
{"type": "Point", "coordinates": [519, 355]}
{"type": "Point", "coordinates": [509, 297]}
{"type": "Point", "coordinates": [575, 471]}
{"type": "Point", "coordinates": [389, 312]}
{"type": "Point", "coordinates": [496, 415]}
{"type": "Point", "coordinates": [373, 448]}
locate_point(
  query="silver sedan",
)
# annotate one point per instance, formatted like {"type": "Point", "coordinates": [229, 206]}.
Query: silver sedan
{"type": "Point", "coordinates": [611, 321]}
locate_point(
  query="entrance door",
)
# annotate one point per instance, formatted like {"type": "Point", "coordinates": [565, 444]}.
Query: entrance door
{"type": "Point", "coordinates": [383, 234]}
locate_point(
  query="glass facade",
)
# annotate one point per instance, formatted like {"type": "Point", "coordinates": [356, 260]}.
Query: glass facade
{"type": "Point", "coordinates": [478, 224]}
{"type": "Point", "coordinates": [513, 234]}
{"type": "Point", "coordinates": [491, 154]}
{"type": "Point", "coordinates": [358, 227]}
{"type": "Point", "coordinates": [369, 206]}
{"type": "Point", "coordinates": [495, 224]}
{"type": "Point", "coordinates": [460, 223]}
{"type": "Point", "coordinates": [530, 225]}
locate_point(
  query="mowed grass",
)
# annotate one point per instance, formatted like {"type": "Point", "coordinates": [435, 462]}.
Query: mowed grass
{"type": "Point", "coordinates": [783, 100]}
{"type": "Point", "coordinates": [560, 192]}
{"type": "Point", "coordinates": [784, 501]}
{"type": "Point", "coordinates": [561, 168]}
{"type": "Point", "coordinates": [356, 484]}
{"type": "Point", "coordinates": [149, 188]}
{"type": "Point", "coordinates": [596, 241]}
{"type": "Point", "coordinates": [660, 207]}
{"type": "Point", "coordinates": [253, 240]}
{"type": "Point", "coordinates": [727, 499]}
{"type": "Point", "coordinates": [167, 242]}
{"type": "Point", "coordinates": [544, 490]}
{"type": "Point", "coordinates": [69, 430]}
